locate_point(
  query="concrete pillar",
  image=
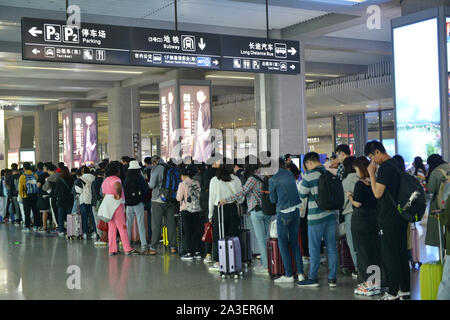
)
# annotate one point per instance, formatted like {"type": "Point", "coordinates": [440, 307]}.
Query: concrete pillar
{"type": "Point", "coordinates": [412, 6]}
{"type": "Point", "coordinates": [124, 122]}
{"type": "Point", "coordinates": [281, 104]}
{"type": "Point", "coordinates": [46, 136]}
{"type": "Point", "coordinates": [3, 150]}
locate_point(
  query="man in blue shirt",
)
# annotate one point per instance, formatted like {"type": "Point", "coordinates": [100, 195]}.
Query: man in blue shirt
{"type": "Point", "coordinates": [283, 192]}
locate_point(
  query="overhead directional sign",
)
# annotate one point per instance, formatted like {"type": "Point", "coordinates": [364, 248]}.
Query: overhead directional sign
{"type": "Point", "coordinates": [260, 55]}
{"type": "Point", "coordinates": [93, 43]}
{"type": "Point", "coordinates": [49, 40]}
{"type": "Point", "coordinates": [166, 48]}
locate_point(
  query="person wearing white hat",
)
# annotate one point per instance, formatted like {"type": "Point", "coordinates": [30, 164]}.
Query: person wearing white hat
{"type": "Point", "coordinates": [136, 190]}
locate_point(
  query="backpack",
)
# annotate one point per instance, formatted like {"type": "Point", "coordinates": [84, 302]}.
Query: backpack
{"type": "Point", "coordinates": [170, 182]}
{"type": "Point", "coordinates": [132, 193]}
{"type": "Point", "coordinates": [330, 195]}
{"type": "Point", "coordinates": [410, 202]}
{"type": "Point", "coordinates": [31, 184]}
{"type": "Point", "coordinates": [193, 198]}
{"type": "Point", "coordinates": [444, 190]}
{"type": "Point", "coordinates": [268, 208]}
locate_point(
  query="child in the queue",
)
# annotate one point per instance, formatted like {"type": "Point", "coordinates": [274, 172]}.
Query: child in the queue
{"type": "Point", "coordinates": [113, 185]}
{"type": "Point", "coordinates": [349, 180]}
{"type": "Point", "coordinates": [83, 188]}
{"type": "Point", "coordinates": [64, 197]}
{"type": "Point", "coordinates": [136, 190]}
{"type": "Point", "coordinates": [223, 185]}
{"type": "Point", "coordinates": [364, 228]}
{"type": "Point", "coordinates": [253, 184]}
{"type": "Point", "coordinates": [188, 195]}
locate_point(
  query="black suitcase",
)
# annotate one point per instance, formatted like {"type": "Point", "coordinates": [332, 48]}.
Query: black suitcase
{"type": "Point", "coordinates": [246, 247]}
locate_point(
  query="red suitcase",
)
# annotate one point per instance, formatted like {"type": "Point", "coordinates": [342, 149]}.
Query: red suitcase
{"type": "Point", "coordinates": [275, 262]}
{"type": "Point", "coordinates": [345, 257]}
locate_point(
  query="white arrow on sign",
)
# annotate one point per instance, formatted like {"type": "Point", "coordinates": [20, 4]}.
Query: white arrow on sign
{"type": "Point", "coordinates": [35, 31]}
{"type": "Point", "coordinates": [292, 51]}
{"type": "Point", "coordinates": [202, 44]}
{"type": "Point", "coordinates": [292, 67]}
{"type": "Point", "coordinates": [36, 51]}
{"type": "Point", "coordinates": [216, 62]}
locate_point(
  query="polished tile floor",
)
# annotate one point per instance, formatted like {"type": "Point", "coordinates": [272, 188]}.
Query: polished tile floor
{"type": "Point", "coordinates": [35, 267]}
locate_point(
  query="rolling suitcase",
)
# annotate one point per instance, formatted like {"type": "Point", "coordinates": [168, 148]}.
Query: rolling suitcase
{"type": "Point", "coordinates": [345, 256]}
{"type": "Point", "coordinates": [275, 262]}
{"type": "Point", "coordinates": [74, 226]}
{"type": "Point", "coordinates": [245, 240]}
{"type": "Point", "coordinates": [431, 274]}
{"type": "Point", "coordinates": [415, 250]}
{"type": "Point", "coordinates": [230, 255]}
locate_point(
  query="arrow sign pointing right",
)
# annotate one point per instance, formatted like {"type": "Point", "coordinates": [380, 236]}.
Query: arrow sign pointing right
{"type": "Point", "coordinates": [292, 67]}
{"type": "Point", "coordinates": [292, 51]}
{"type": "Point", "coordinates": [35, 31]}
{"type": "Point", "coordinates": [216, 62]}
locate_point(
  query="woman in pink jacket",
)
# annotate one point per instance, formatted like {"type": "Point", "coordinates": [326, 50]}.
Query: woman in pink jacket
{"type": "Point", "coordinates": [113, 185]}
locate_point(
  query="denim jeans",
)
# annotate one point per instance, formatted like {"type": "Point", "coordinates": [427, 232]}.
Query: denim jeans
{"type": "Point", "coordinates": [86, 212]}
{"type": "Point", "coordinates": [62, 216]}
{"type": "Point", "coordinates": [348, 236]}
{"type": "Point", "coordinates": [137, 210]}
{"type": "Point", "coordinates": [75, 206]}
{"type": "Point", "coordinates": [261, 225]}
{"type": "Point", "coordinates": [288, 225]}
{"type": "Point", "coordinates": [148, 208]}
{"type": "Point", "coordinates": [327, 231]}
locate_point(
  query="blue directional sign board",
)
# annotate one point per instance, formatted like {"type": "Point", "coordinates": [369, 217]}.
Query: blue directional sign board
{"type": "Point", "coordinates": [50, 40]}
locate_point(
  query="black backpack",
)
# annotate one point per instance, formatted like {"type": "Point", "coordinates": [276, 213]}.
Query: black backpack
{"type": "Point", "coordinates": [268, 208]}
{"type": "Point", "coordinates": [410, 203]}
{"type": "Point", "coordinates": [132, 192]}
{"type": "Point", "coordinates": [170, 182]}
{"type": "Point", "coordinates": [331, 192]}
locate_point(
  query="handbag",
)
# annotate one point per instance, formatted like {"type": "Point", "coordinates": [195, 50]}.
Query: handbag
{"type": "Point", "coordinates": [102, 226]}
{"type": "Point", "coordinates": [208, 233]}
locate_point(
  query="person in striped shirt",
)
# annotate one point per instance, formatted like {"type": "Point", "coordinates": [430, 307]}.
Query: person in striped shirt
{"type": "Point", "coordinates": [321, 224]}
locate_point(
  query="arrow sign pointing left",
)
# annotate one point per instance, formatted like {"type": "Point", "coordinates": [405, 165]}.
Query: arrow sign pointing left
{"type": "Point", "coordinates": [292, 51]}
{"type": "Point", "coordinates": [36, 51]}
{"type": "Point", "coordinates": [35, 31]}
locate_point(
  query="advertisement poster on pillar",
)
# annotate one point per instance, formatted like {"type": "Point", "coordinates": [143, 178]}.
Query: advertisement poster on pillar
{"type": "Point", "coordinates": [195, 113]}
{"type": "Point", "coordinates": [67, 156]}
{"type": "Point", "coordinates": [169, 122]}
{"type": "Point", "coordinates": [84, 138]}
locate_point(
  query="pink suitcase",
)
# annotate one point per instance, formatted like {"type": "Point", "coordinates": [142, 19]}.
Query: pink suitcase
{"type": "Point", "coordinates": [415, 251]}
{"type": "Point", "coordinates": [74, 226]}
{"type": "Point", "coordinates": [230, 255]}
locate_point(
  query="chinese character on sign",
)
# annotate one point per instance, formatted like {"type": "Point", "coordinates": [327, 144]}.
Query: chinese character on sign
{"type": "Point", "coordinates": [258, 46]}
{"type": "Point", "coordinates": [270, 47]}
{"type": "Point", "coordinates": [264, 46]}
{"type": "Point", "coordinates": [58, 50]}
{"type": "Point", "coordinates": [85, 33]}
{"type": "Point", "coordinates": [93, 33]}
{"type": "Point", "coordinates": [102, 34]}
{"type": "Point", "coordinates": [136, 55]}
{"type": "Point", "coordinates": [167, 39]}
{"type": "Point", "coordinates": [251, 45]}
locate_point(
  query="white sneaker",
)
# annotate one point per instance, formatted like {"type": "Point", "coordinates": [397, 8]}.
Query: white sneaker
{"type": "Point", "coordinates": [100, 243]}
{"type": "Point", "coordinates": [60, 234]}
{"type": "Point", "coordinates": [215, 267]}
{"type": "Point", "coordinates": [85, 236]}
{"type": "Point", "coordinates": [260, 270]}
{"type": "Point", "coordinates": [208, 259]}
{"type": "Point", "coordinates": [284, 279]}
{"type": "Point", "coordinates": [301, 277]}
{"type": "Point", "coordinates": [323, 259]}
{"type": "Point", "coordinates": [404, 295]}
{"type": "Point", "coordinates": [305, 260]}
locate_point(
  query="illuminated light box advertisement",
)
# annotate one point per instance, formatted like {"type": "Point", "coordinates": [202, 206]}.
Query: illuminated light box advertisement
{"type": "Point", "coordinates": [67, 145]}
{"type": "Point", "coordinates": [13, 157]}
{"type": "Point", "coordinates": [195, 115]}
{"type": "Point", "coordinates": [84, 138]}
{"type": "Point", "coordinates": [169, 121]}
{"type": "Point", "coordinates": [417, 99]}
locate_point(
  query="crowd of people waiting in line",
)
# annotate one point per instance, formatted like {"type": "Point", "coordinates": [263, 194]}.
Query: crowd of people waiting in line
{"type": "Point", "coordinates": [375, 234]}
